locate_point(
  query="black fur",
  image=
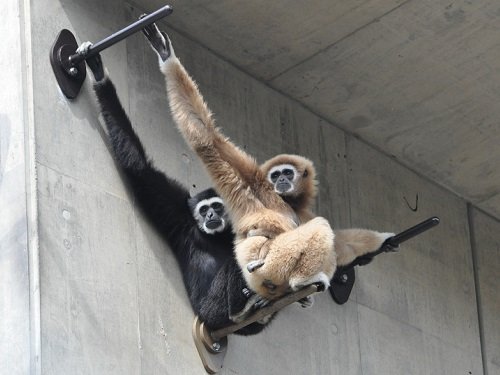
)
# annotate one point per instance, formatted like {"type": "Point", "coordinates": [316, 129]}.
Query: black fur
{"type": "Point", "coordinates": [211, 275]}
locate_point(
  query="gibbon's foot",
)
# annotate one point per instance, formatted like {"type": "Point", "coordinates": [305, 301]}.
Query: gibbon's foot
{"type": "Point", "coordinates": [158, 40]}
{"type": "Point", "coordinates": [94, 63]}
{"type": "Point", "coordinates": [320, 280]}
{"type": "Point", "coordinates": [247, 310]}
{"type": "Point", "coordinates": [322, 286]}
{"type": "Point", "coordinates": [254, 302]}
{"type": "Point", "coordinates": [388, 247]}
{"type": "Point", "coordinates": [306, 302]}
{"type": "Point", "coordinates": [254, 264]}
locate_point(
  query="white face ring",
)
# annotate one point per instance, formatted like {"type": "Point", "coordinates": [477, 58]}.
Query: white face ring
{"type": "Point", "coordinates": [280, 168]}
{"type": "Point", "coordinates": [201, 219]}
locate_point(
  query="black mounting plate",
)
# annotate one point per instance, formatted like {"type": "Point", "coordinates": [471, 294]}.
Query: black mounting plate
{"type": "Point", "coordinates": [69, 78]}
{"type": "Point", "coordinates": [341, 285]}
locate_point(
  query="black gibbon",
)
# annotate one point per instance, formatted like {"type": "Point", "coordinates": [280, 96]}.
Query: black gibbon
{"type": "Point", "coordinates": [276, 252]}
{"type": "Point", "coordinates": [196, 228]}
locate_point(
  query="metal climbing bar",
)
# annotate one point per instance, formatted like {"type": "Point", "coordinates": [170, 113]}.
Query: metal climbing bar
{"type": "Point", "coordinates": [69, 66]}
{"type": "Point", "coordinates": [122, 34]}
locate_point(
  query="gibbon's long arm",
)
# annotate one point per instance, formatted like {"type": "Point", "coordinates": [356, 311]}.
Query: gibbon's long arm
{"type": "Point", "coordinates": [154, 192]}
{"type": "Point", "coordinates": [209, 270]}
{"type": "Point", "coordinates": [231, 169]}
{"type": "Point", "coordinates": [164, 202]}
{"type": "Point", "coordinates": [188, 107]}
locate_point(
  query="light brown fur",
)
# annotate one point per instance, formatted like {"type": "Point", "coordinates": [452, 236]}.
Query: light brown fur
{"type": "Point", "coordinates": [266, 227]}
{"type": "Point", "coordinates": [349, 243]}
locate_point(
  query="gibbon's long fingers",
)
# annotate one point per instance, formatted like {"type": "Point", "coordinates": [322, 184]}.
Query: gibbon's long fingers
{"type": "Point", "coordinates": [306, 302]}
{"type": "Point", "coordinates": [158, 41]}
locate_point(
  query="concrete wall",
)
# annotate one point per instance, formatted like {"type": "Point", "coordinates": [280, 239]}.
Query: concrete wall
{"type": "Point", "coordinates": [111, 298]}
{"type": "Point", "coordinates": [15, 185]}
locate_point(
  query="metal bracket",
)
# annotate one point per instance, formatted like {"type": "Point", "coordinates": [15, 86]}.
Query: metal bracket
{"type": "Point", "coordinates": [211, 352]}
{"type": "Point", "coordinates": [341, 285]}
{"type": "Point", "coordinates": [212, 346]}
{"type": "Point", "coordinates": [70, 77]}
{"type": "Point", "coordinates": [69, 67]}
{"type": "Point", "coordinates": [343, 280]}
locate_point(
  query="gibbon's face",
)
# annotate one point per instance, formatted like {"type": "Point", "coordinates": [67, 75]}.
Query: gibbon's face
{"type": "Point", "coordinates": [284, 178]}
{"type": "Point", "coordinates": [211, 216]}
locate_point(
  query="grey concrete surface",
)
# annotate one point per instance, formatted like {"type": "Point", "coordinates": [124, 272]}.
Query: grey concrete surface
{"type": "Point", "coordinates": [14, 261]}
{"type": "Point", "coordinates": [487, 248]}
{"type": "Point", "coordinates": [428, 285]}
{"type": "Point", "coordinates": [111, 295]}
{"type": "Point", "coordinates": [413, 85]}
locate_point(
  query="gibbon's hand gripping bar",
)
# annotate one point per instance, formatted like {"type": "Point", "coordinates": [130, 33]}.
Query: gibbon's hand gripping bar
{"type": "Point", "coordinates": [343, 280]}
{"type": "Point", "coordinates": [212, 346]}
{"type": "Point", "coordinates": [69, 66]}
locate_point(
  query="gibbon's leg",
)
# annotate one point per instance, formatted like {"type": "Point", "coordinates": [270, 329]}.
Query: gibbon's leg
{"type": "Point", "coordinates": [227, 299]}
{"type": "Point", "coordinates": [254, 303]}
{"type": "Point", "coordinates": [352, 243]}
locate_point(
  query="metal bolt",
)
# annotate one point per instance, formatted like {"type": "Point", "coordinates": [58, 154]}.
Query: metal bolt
{"type": "Point", "coordinates": [73, 71]}
{"type": "Point", "coordinates": [216, 346]}
{"type": "Point", "coordinates": [344, 278]}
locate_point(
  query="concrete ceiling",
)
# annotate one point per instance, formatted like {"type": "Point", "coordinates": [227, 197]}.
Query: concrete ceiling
{"type": "Point", "coordinates": [418, 79]}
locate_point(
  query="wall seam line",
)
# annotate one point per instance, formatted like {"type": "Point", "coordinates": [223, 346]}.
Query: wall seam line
{"type": "Point", "coordinates": [475, 269]}
{"type": "Point", "coordinates": [31, 187]}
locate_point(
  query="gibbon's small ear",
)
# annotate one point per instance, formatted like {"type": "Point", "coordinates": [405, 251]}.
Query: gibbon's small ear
{"type": "Point", "coordinates": [305, 174]}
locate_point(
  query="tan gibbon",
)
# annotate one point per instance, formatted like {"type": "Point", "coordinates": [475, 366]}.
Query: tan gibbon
{"type": "Point", "coordinates": [286, 174]}
{"type": "Point", "coordinates": [275, 252]}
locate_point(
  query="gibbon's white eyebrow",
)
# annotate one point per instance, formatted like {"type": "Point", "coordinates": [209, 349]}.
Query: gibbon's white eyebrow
{"type": "Point", "coordinates": [280, 168]}
{"type": "Point", "coordinates": [208, 202]}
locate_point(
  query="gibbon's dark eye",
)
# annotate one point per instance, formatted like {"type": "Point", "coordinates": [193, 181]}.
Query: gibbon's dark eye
{"type": "Point", "coordinates": [288, 172]}
{"type": "Point", "coordinates": [218, 207]}
{"type": "Point", "coordinates": [275, 175]}
{"type": "Point", "coordinates": [203, 210]}
{"type": "Point", "coordinates": [305, 173]}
